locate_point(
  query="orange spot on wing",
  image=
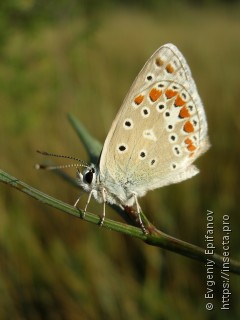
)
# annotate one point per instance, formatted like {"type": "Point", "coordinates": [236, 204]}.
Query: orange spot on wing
{"type": "Point", "coordinates": [170, 93]}
{"type": "Point", "coordinates": [155, 94]}
{"type": "Point", "coordinates": [139, 99]}
{"type": "Point", "coordinates": [179, 102]}
{"type": "Point", "coordinates": [159, 62]}
{"type": "Point", "coordinates": [188, 127]}
{"type": "Point", "coordinates": [169, 68]}
{"type": "Point", "coordinates": [184, 113]}
{"type": "Point", "coordinates": [191, 147]}
{"type": "Point", "coordinates": [188, 141]}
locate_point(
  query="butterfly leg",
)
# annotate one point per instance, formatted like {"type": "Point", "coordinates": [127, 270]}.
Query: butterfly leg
{"type": "Point", "coordinates": [78, 199]}
{"type": "Point", "coordinates": [88, 200]}
{"type": "Point", "coordinates": [139, 214]}
{"type": "Point", "coordinates": [104, 207]}
{"type": "Point", "coordinates": [76, 202]}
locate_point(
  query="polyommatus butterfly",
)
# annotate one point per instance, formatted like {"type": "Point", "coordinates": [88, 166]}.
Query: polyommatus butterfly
{"type": "Point", "coordinates": [159, 131]}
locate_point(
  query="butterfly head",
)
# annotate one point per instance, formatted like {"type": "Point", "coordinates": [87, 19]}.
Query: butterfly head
{"type": "Point", "coordinates": [88, 178]}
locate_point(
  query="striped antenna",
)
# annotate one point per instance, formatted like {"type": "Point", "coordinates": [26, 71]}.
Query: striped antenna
{"type": "Point", "coordinates": [54, 167]}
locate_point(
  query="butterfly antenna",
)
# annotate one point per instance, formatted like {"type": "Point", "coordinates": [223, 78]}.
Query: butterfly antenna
{"type": "Point", "coordinates": [54, 167]}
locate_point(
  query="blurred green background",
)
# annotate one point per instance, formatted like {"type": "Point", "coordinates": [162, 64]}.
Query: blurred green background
{"type": "Point", "coordinates": [81, 57]}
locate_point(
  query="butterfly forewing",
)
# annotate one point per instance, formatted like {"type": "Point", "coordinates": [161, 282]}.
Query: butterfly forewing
{"type": "Point", "coordinates": [160, 128]}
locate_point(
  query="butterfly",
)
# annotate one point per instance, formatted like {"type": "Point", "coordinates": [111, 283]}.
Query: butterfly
{"type": "Point", "coordinates": [159, 131]}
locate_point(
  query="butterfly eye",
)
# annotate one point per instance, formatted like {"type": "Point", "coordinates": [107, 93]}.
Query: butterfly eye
{"type": "Point", "coordinates": [88, 177]}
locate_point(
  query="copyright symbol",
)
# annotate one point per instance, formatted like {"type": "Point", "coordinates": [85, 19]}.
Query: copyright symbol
{"type": "Point", "coordinates": [209, 306]}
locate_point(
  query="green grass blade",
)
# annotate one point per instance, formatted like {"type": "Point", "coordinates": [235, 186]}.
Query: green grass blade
{"type": "Point", "coordinates": [156, 238]}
